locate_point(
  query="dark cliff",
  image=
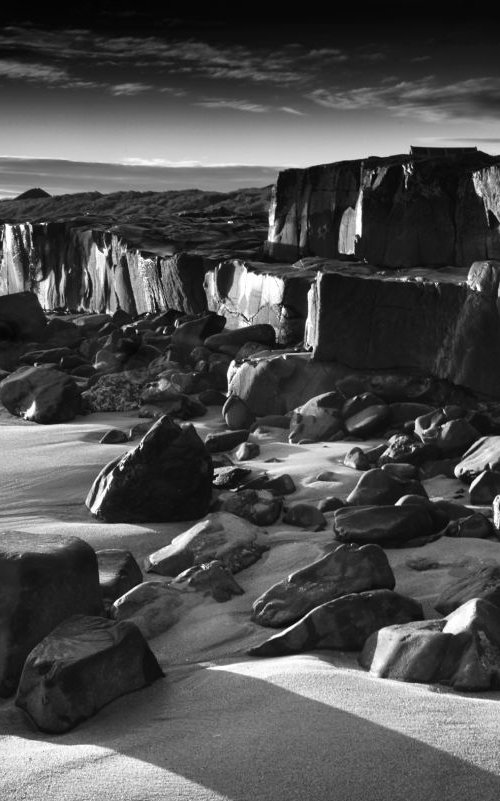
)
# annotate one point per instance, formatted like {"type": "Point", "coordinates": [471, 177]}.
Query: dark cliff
{"type": "Point", "coordinates": [396, 212]}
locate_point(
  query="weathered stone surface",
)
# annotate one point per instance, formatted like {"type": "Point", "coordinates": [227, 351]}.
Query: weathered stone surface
{"type": "Point", "coordinates": [40, 394]}
{"type": "Point", "coordinates": [182, 276]}
{"type": "Point", "coordinates": [483, 455]}
{"type": "Point", "coordinates": [152, 606]}
{"type": "Point", "coordinates": [368, 421]}
{"type": "Point", "coordinates": [222, 536]}
{"type": "Point", "coordinates": [461, 650]}
{"type": "Point", "coordinates": [83, 664]}
{"type": "Point", "coordinates": [450, 436]}
{"type": "Point", "coordinates": [347, 569]}
{"type": "Point", "coordinates": [397, 211]}
{"type": "Point", "coordinates": [225, 440]}
{"type": "Point", "coordinates": [342, 624]}
{"type": "Point", "coordinates": [278, 384]}
{"type": "Point", "coordinates": [230, 477]}
{"type": "Point", "coordinates": [261, 293]}
{"type": "Point", "coordinates": [236, 414]}
{"type": "Point", "coordinates": [483, 582]}
{"type": "Point", "coordinates": [257, 506]}
{"type": "Point", "coordinates": [43, 581]}
{"type": "Point", "coordinates": [166, 477]}
{"type": "Point", "coordinates": [118, 572]}
{"type": "Point", "coordinates": [387, 525]}
{"type": "Point", "coordinates": [406, 448]}
{"type": "Point", "coordinates": [378, 487]}
{"type": "Point", "coordinates": [304, 515]}
{"type": "Point", "coordinates": [484, 488]}
{"type": "Point", "coordinates": [317, 419]}
{"type": "Point", "coordinates": [22, 312]}
{"type": "Point", "coordinates": [119, 392]}
{"type": "Point", "coordinates": [210, 578]}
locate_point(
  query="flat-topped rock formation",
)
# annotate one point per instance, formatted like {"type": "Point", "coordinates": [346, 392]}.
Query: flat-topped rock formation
{"type": "Point", "coordinates": [395, 212]}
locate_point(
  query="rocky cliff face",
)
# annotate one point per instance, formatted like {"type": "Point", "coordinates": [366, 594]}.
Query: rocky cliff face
{"type": "Point", "coordinates": [396, 212]}
{"type": "Point", "coordinates": [446, 325]}
{"type": "Point", "coordinates": [73, 266]}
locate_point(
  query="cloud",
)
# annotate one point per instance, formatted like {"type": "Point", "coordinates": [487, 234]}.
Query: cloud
{"type": "Point", "coordinates": [289, 110]}
{"type": "Point", "coordinates": [51, 76]}
{"type": "Point", "coordinates": [237, 105]}
{"type": "Point", "coordinates": [130, 88]}
{"type": "Point", "coordinates": [469, 100]}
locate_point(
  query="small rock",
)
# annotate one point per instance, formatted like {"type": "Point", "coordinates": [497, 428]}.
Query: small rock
{"type": "Point", "coordinates": [230, 477]}
{"type": "Point", "coordinates": [258, 507]}
{"type": "Point", "coordinates": [113, 437]}
{"type": "Point", "coordinates": [304, 515]}
{"type": "Point", "coordinates": [246, 451]}
{"type": "Point", "coordinates": [356, 459]}
{"type": "Point", "coordinates": [330, 504]}
{"type": "Point", "coordinates": [225, 440]}
{"type": "Point", "coordinates": [211, 578]}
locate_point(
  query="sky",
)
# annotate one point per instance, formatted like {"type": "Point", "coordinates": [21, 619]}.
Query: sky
{"type": "Point", "coordinates": [114, 95]}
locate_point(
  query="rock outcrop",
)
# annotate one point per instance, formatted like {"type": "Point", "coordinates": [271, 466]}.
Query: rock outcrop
{"type": "Point", "coordinates": [397, 212]}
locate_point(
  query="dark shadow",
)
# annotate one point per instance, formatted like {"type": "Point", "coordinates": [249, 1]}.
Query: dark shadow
{"type": "Point", "coordinates": [250, 739]}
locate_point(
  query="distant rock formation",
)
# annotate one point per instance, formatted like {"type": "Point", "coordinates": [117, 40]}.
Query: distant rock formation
{"type": "Point", "coordinates": [397, 212]}
{"type": "Point", "coordinates": [33, 194]}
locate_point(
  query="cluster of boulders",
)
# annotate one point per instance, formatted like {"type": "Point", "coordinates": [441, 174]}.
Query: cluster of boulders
{"type": "Point", "coordinates": [91, 613]}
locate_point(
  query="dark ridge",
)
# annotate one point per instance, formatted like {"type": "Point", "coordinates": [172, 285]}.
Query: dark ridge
{"type": "Point", "coordinates": [33, 194]}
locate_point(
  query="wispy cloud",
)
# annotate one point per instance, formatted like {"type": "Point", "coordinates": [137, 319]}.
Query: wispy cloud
{"type": "Point", "coordinates": [426, 98]}
{"type": "Point", "coordinates": [39, 73]}
{"type": "Point", "coordinates": [236, 105]}
{"type": "Point", "coordinates": [130, 88]}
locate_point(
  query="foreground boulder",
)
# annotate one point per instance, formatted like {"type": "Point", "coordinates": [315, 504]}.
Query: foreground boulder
{"type": "Point", "coordinates": [342, 624]}
{"type": "Point", "coordinates": [222, 536]}
{"type": "Point", "coordinates": [43, 581]}
{"type": "Point", "coordinates": [166, 477]}
{"type": "Point", "coordinates": [41, 394]}
{"type": "Point", "coordinates": [83, 664]}
{"type": "Point", "coordinates": [387, 525]}
{"type": "Point", "coordinates": [461, 650]}
{"type": "Point", "coordinates": [347, 569]}
{"type": "Point", "coordinates": [22, 312]}
{"type": "Point", "coordinates": [483, 455]}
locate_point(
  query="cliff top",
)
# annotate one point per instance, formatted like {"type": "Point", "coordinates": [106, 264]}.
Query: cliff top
{"type": "Point", "coordinates": [32, 194]}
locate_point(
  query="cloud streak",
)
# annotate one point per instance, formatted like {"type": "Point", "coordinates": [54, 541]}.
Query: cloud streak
{"type": "Point", "coordinates": [426, 99]}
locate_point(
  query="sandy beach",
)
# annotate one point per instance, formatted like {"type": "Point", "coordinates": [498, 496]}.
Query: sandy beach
{"type": "Point", "coordinates": [222, 725]}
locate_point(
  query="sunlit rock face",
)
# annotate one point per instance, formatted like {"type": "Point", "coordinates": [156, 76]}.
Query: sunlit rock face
{"type": "Point", "coordinates": [75, 266]}
{"type": "Point", "coordinates": [395, 212]}
{"type": "Point", "coordinates": [251, 292]}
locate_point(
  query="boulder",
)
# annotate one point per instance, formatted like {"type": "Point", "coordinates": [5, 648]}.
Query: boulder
{"type": "Point", "coordinates": [152, 606]}
{"type": "Point", "coordinates": [387, 525]}
{"type": "Point", "coordinates": [304, 515]}
{"type": "Point", "coordinates": [246, 451]}
{"type": "Point", "coordinates": [277, 485]}
{"type": "Point", "coordinates": [236, 414]}
{"type": "Point", "coordinates": [342, 624]}
{"type": "Point", "coordinates": [114, 436]}
{"type": "Point", "coordinates": [408, 449]}
{"type": "Point", "coordinates": [257, 506]}
{"type": "Point", "coordinates": [358, 403]}
{"type": "Point", "coordinates": [368, 421]}
{"type": "Point", "coordinates": [225, 440]}
{"type": "Point", "coordinates": [235, 338]}
{"type": "Point", "coordinates": [379, 487]}
{"type": "Point", "coordinates": [82, 665]}
{"type": "Point", "coordinates": [210, 578]}
{"type": "Point", "coordinates": [347, 569]}
{"type": "Point", "coordinates": [166, 477]}
{"type": "Point", "coordinates": [317, 419]}
{"type": "Point", "coordinates": [484, 488]}
{"type": "Point", "coordinates": [483, 582]}
{"type": "Point", "coordinates": [230, 477]}
{"type": "Point", "coordinates": [357, 459]}
{"type": "Point", "coordinates": [118, 572]}
{"type": "Point", "coordinates": [41, 395]}
{"type": "Point", "coordinates": [222, 536]}
{"type": "Point", "coordinates": [461, 650]}
{"type": "Point", "coordinates": [451, 435]}
{"type": "Point", "coordinates": [483, 455]}
{"type": "Point", "coordinates": [190, 334]}
{"type": "Point", "coordinates": [24, 315]}
{"type": "Point", "coordinates": [477, 526]}
{"type": "Point", "coordinates": [43, 580]}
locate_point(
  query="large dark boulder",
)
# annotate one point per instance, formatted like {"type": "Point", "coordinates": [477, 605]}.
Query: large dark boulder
{"type": "Point", "coordinates": [347, 569]}
{"type": "Point", "coordinates": [385, 525]}
{"type": "Point", "coordinates": [342, 624]}
{"type": "Point", "coordinates": [166, 477]}
{"type": "Point", "coordinates": [43, 580]}
{"type": "Point", "coordinates": [24, 315]}
{"type": "Point", "coordinates": [41, 394]}
{"type": "Point", "coordinates": [83, 664]}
